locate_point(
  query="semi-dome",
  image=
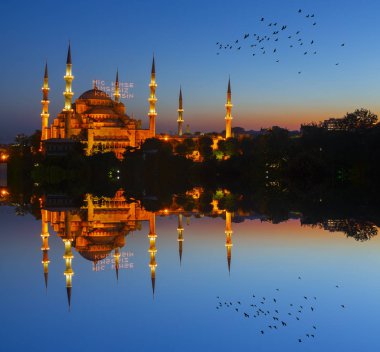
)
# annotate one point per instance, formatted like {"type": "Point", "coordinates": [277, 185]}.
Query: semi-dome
{"type": "Point", "coordinates": [95, 94]}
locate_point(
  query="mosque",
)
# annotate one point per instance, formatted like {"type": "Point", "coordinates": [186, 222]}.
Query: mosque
{"type": "Point", "coordinates": [100, 122]}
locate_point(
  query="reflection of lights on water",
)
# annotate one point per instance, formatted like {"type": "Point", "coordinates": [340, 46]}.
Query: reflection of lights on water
{"type": "Point", "coordinates": [4, 157]}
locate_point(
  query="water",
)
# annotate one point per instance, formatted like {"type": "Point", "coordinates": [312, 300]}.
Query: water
{"type": "Point", "coordinates": [182, 314]}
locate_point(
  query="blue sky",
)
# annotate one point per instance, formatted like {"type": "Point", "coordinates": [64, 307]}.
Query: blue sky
{"type": "Point", "coordinates": [183, 36]}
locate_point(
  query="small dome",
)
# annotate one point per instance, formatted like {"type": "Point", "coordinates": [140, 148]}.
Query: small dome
{"type": "Point", "coordinates": [95, 94]}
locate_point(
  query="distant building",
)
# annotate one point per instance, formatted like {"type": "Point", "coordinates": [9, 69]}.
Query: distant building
{"type": "Point", "coordinates": [333, 124]}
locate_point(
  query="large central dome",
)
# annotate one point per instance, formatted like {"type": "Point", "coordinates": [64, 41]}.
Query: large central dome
{"type": "Point", "coordinates": [95, 94]}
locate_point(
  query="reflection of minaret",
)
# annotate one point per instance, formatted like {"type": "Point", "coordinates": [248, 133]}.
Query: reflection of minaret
{"type": "Point", "coordinates": [152, 101]}
{"type": "Point", "coordinates": [152, 249]}
{"type": "Point", "coordinates": [45, 106]}
{"type": "Point", "coordinates": [180, 237]}
{"type": "Point", "coordinates": [69, 271]}
{"type": "Point", "coordinates": [228, 106]}
{"type": "Point", "coordinates": [228, 238]}
{"type": "Point", "coordinates": [117, 260]}
{"type": "Point", "coordinates": [180, 113]}
{"type": "Point", "coordinates": [45, 246]}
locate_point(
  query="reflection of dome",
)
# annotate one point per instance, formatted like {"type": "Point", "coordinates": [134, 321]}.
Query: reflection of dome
{"type": "Point", "coordinates": [95, 94]}
{"type": "Point", "coordinates": [94, 256]}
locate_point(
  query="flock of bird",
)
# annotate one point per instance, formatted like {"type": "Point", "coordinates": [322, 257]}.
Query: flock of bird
{"type": "Point", "coordinates": [273, 316]}
{"type": "Point", "coordinates": [267, 42]}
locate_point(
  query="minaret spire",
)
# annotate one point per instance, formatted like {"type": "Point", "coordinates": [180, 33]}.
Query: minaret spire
{"type": "Point", "coordinates": [180, 237]}
{"type": "Point", "coordinates": [152, 250]}
{"type": "Point", "coordinates": [116, 94]}
{"type": "Point", "coordinates": [45, 245]}
{"type": "Point", "coordinates": [228, 106]}
{"type": "Point", "coordinates": [69, 79]}
{"type": "Point", "coordinates": [152, 101]}
{"type": "Point", "coordinates": [229, 244]}
{"type": "Point", "coordinates": [45, 106]}
{"type": "Point", "coordinates": [180, 113]}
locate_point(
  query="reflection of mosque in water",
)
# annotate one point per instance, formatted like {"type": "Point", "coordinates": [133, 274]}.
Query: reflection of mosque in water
{"type": "Point", "coordinates": [98, 230]}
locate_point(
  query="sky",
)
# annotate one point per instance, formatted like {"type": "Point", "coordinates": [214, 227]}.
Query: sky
{"type": "Point", "coordinates": [106, 35]}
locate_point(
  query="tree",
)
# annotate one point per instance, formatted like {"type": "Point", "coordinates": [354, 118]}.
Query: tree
{"type": "Point", "coordinates": [229, 147]}
{"type": "Point", "coordinates": [205, 147]}
{"type": "Point", "coordinates": [359, 119]}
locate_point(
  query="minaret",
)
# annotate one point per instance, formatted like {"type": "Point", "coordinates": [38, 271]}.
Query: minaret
{"type": "Point", "coordinates": [117, 260]}
{"type": "Point", "coordinates": [116, 94]}
{"type": "Point", "coordinates": [180, 237]}
{"type": "Point", "coordinates": [45, 106]}
{"type": "Point", "coordinates": [69, 79]}
{"type": "Point", "coordinates": [180, 113]}
{"type": "Point", "coordinates": [68, 256]}
{"type": "Point", "coordinates": [228, 238]}
{"type": "Point", "coordinates": [45, 245]}
{"type": "Point", "coordinates": [228, 106]}
{"type": "Point", "coordinates": [152, 101]}
{"type": "Point", "coordinates": [152, 249]}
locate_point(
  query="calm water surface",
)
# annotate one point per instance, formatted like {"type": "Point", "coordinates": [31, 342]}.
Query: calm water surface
{"type": "Point", "coordinates": [185, 313]}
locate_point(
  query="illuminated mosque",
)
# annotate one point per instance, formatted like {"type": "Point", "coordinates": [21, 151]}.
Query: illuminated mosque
{"type": "Point", "coordinates": [100, 122]}
{"type": "Point", "coordinates": [98, 232]}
